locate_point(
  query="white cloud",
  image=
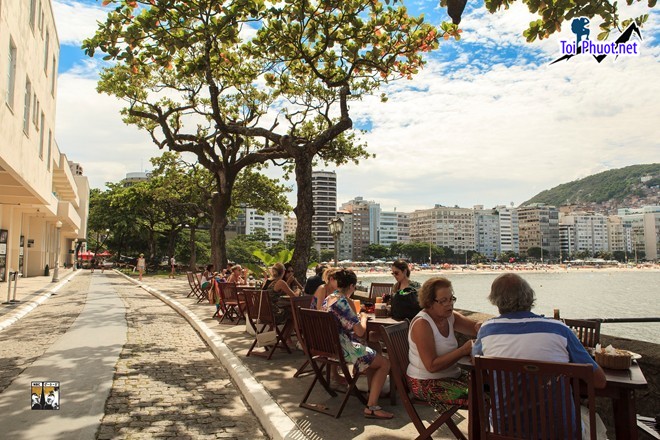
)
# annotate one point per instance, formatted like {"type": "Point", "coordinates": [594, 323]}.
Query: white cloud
{"type": "Point", "coordinates": [76, 21]}
{"type": "Point", "coordinates": [467, 130]}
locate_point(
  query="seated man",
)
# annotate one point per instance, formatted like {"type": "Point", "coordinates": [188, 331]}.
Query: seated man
{"type": "Point", "coordinates": [518, 333]}
{"type": "Point", "coordinates": [313, 282]}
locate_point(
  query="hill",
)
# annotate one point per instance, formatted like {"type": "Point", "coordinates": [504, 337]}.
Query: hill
{"type": "Point", "coordinates": [614, 186]}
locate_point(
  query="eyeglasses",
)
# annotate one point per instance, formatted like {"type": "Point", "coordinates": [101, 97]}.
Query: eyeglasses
{"type": "Point", "coordinates": [445, 301]}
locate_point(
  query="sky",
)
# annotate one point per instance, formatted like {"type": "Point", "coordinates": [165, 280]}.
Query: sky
{"type": "Point", "coordinates": [488, 121]}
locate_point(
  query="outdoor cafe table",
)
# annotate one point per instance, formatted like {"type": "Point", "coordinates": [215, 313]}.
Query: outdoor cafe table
{"type": "Point", "coordinates": [620, 387]}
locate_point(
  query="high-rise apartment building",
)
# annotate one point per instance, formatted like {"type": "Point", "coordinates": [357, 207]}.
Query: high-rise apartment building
{"type": "Point", "coordinates": [324, 190]}
{"type": "Point", "coordinates": [403, 227]}
{"type": "Point", "coordinates": [644, 226]}
{"type": "Point", "coordinates": [508, 221]}
{"type": "Point", "coordinates": [290, 225]}
{"type": "Point", "coordinates": [538, 226]}
{"type": "Point", "coordinates": [616, 238]}
{"type": "Point", "coordinates": [582, 232]}
{"type": "Point", "coordinates": [388, 231]}
{"type": "Point", "coordinates": [270, 222]}
{"type": "Point", "coordinates": [360, 211]}
{"type": "Point", "coordinates": [345, 251]}
{"type": "Point", "coordinates": [43, 205]}
{"type": "Point", "coordinates": [486, 231]}
{"type": "Point", "coordinates": [444, 226]}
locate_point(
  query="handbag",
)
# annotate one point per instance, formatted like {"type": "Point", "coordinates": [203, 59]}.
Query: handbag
{"type": "Point", "coordinates": [405, 304]}
{"type": "Point", "coordinates": [265, 338]}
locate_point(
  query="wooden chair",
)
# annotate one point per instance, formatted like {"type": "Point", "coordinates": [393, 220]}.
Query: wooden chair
{"type": "Point", "coordinates": [194, 287]}
{"type": "Point", "coordinates": [260, 314]}
{"type": "Point", "coordinates": [396, 341]}
{"type": "Point", "coordinates": [231, 305]}
{"type": "Point", "coordinates": [298, 302]}
{"type": "Point", "coordinates": [205, 294]}
{"type": "Point", "coordinates": [588, 332]}
{"type": "Point", "coordinates": [532, 399]}
{"type": "Point", "coordinates": [379, 289]}
{"type": "Point", "coordinates": [324, 351]}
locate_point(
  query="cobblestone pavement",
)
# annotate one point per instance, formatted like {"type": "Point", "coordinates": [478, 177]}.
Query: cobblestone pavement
{"type": "Point", "coordinates": [167, 383]}
{"type": "Point", "coordinates": [23, 342]}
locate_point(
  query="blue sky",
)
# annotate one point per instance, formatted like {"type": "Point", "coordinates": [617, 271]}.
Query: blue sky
{"type": "Point", "coordinates": [488, 121]}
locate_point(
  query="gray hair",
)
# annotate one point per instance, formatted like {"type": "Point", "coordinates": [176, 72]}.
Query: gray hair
{"type": "Point", "coordinates": [510, 293]}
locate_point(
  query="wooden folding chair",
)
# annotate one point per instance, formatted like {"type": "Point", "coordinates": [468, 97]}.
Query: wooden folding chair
{"type": "Point", "coordinates": [396, 340]}
{"type": "Point", "coordinates": [298, 302]}
{"type": "Point", "coordinates": [260, 314]}
{"type": "Point", "coordinates": [324, 351]}
{"type": "Point", "coordinates": [205, 294]}
{"type": "Point", "coordinates": [522, 399]}
{"type": "Point", "coordinates": [231, 305]}
{"type": "Point", "coordinates": [194, 288]}
{"type": "Point", "coordinates": [379, 289]}
{"type": "Point", "coordinates": [588, 332]}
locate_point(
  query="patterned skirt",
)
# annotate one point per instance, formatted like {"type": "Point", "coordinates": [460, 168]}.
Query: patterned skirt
{"type": "Point", "coordinates": [441, 393]}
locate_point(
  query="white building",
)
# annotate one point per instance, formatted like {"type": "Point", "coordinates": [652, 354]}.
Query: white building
{"type": "Point", "coordinates": [644, 226]}
{"type": "Point", "coordinates": [324, 190]}
{"type": "Point", "coordinates": [271, 222]}
{"type": "Point", "coordinates": [388, 231]}
{"type": "Point", "coordinates": [486, 231]}
{"type": "Point", "coordinates": [508, 220]}
{"type": "Point", "coordinates": [583, 232]}
{"type": "Point", "coordinates": [43, 205]}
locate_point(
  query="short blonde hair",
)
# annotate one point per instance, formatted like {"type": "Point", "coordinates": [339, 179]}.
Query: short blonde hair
{"type": "Point", "coordinates": [329, 273]}
{"type": "Point", "coordinates": [426, 294]}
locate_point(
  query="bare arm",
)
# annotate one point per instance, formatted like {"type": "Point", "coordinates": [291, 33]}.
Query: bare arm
{"type": "Point", "coordinates": [599, 378]}
{"type": "Point", "coordinates": [361, 328]}
{"type": "Point", "coordinates": [320, 296]}
{"type": "Point", "coordinates": [283, 287]}
{"type": "Point", "coordinates": [464, 325]}
{"type": "Point", "coordinates": [422, 336]}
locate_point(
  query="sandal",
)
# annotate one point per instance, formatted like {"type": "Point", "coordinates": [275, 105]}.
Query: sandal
{"type": "Point", "coordinates": [371, 413]}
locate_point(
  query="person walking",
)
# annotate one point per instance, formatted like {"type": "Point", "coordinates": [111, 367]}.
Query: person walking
{"type": "Point", "coordinates": [172, 267]}
{"type": "Point", "coordinates": [141, 266]}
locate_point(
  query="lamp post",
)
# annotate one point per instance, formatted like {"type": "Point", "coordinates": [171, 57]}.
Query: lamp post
{"type": "Point", "coordinates": [541, 247]}
{"type": "Point", "coordinates": [75, 254]}
{"type": "Point", "coordinates": [336, 225]}
{"type": "Point", "coordinates": [56, 278]}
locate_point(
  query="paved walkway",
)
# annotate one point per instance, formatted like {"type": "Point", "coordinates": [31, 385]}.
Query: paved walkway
{"type": "Point", "coordinates": [129, 367]}
{"type": "Point", "coordinates": [167, 382]}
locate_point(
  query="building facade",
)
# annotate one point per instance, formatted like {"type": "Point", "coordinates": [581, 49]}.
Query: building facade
{"type": "Point", "coordinates": [324, 190]}
{"type": "Point", "coordinates": [538, 226]}
{"type": "Point", "coordinates": [487, 231]}
{"type": "Point", "coordinates": [643, 225]}
{"type": "Point", "coordinates": [444, 226]}
{"type": "Point", "coordinates": [388, 228]}
{"type": "Point", "coordinates": [270, 222]}
{"type": "Point", "coordinates": [583, 232]}
{"type": "Point", "coordinates": [508, 220]}
{"type": "Point", "coordinates": [43, 204]}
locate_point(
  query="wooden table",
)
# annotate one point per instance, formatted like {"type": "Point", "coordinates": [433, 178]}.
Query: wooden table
{"type": "Point", "coordinates": [620, 387]}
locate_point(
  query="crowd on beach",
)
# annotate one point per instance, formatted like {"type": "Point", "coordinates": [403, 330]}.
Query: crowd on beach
{"type": "Point", "coordinates": [432, 374]}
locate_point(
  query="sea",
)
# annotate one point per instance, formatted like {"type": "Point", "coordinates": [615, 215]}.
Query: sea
{"type": "Point", "coordinates": [579, 294]}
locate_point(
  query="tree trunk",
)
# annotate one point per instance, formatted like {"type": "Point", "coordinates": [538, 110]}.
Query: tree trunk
{"type": "Point", "coordinates": [304, 211]}
{"type": "Point", "coordinates": [220, 204]}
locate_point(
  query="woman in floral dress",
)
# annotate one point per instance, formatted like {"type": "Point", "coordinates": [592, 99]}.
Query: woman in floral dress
{"type": "Point", "coordinates": [351, 329]}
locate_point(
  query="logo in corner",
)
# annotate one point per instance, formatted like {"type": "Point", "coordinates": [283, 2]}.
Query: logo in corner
{"type": "Point", "coordinates": [598, 49]}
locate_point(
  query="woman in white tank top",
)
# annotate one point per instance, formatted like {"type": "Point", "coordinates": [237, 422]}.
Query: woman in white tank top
{"type": "Point", "coordinates": [432, 372]}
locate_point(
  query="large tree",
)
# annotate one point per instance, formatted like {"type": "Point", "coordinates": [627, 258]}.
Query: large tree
{"type": "Point", "coordinates": [245, 82]}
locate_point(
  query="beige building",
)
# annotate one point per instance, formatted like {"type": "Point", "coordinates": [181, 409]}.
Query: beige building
{"type": "Point", "coordinates": [43, 205]}
{"type": "Point", "coordinates": [444, 226]}
{"type": "Point", "coordinates": [538, 226]}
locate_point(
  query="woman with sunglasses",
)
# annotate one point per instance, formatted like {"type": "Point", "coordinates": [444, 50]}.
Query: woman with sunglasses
{"type": "Point", "coordinates": [432, 373]}
{"type": "Point", "coordinates": [404, 301]}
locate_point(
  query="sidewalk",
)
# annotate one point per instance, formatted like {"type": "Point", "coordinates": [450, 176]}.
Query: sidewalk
{"type": "Point", "coordinates": [259, 380]}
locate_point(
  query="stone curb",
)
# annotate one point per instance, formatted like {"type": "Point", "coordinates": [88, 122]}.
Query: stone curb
{"type": "Point", "coordinates": [274, 419]}
{"type": "Point", "coordinates": [26, 308]}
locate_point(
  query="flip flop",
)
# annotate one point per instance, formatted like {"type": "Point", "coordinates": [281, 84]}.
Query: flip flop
{"type": "Point", "coordinates": [372, 413]}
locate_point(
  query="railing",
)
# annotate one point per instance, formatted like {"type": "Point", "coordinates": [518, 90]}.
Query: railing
{"type": "Point", "coordinates": [610, 320]}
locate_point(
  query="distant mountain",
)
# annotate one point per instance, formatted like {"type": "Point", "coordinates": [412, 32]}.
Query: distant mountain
{"type": "Point", "coordinates": [636, 184]}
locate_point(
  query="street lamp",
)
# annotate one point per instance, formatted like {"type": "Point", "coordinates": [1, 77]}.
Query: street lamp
{"type": "Point", "coordinates": [56, 278]}
{"type": "Point", "coordinates": [336, 225]}
{"type": "Point", "coordinates": [541, 248]}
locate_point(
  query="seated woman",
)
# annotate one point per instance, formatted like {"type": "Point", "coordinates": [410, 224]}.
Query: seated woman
{"type": "Point", "coordinates": [290, 279]}
{"type": "Point", "coordinates": [209, 284]}
{"type": "Point", "coordinates": [324, 290]}
{"type": "Point", "coordinates": [432, 373]}
{"type": "Point", "coordinates": [236, 275]}
{"type": "Point", "coordinates": [351, 328]}
{"type": "Point", "coordinates": [279, 290]}
{"type": "Point", "coordinates": [404, 301]}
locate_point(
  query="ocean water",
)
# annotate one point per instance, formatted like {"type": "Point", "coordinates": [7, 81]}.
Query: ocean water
{"type": "Point", "coordinates": [577, 294]}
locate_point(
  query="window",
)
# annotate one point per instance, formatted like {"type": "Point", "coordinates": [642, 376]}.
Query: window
{"type": "Point", "coordinates": [50, 141]}
{"type": "Point", "coordinates": [33, 9]}
{"type": "Point", "coordinates": [11, 73]}
{"type": "Point", "coordinates": [52, 79]}
{"type": "Point", "coordinates": [46, 52]}
{"type": "Point", "coordinates": [41, 137]}
{"type": "Point", "coordinates": [35, 112]}
{"type": "Point", "coordinates": [27, 101]}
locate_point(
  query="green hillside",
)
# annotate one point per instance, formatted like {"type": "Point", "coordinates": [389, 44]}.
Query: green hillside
{"type": "Point", "coordinates": [608, 185]}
